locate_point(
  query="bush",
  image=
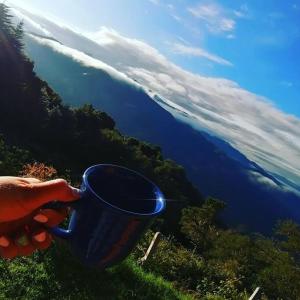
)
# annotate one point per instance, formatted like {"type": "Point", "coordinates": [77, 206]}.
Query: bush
{"type": "Point", "coordinates": [172, 261]}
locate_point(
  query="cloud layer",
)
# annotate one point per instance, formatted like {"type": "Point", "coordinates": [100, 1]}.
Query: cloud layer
{"type": "Point", "coordinates": [196, 51]}
{"type": "Point", "coordinates": [248, 121]}
{"type": "Point", "coordinates": [213, 16]}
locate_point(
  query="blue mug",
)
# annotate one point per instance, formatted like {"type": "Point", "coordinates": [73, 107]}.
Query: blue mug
{"type": "Point", "coordinates": [115, 208]}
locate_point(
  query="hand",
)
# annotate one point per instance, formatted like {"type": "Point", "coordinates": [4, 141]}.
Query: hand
{"type": "Point", "coordinates": [22, 222]}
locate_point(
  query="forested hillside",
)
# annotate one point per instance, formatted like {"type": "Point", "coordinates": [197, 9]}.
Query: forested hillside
{"type": "Point", "coordinates": [198, 257]}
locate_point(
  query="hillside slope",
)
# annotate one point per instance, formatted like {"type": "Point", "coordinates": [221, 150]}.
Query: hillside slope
{"type": "Point", "coordinates": [254, 200]}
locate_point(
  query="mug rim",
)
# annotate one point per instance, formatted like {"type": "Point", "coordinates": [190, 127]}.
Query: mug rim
{"type": "Point", "coordinates": [160, 196]}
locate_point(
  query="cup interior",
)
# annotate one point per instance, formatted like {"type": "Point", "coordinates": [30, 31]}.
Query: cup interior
{"type": "Point", "coordinates": [125, 189]}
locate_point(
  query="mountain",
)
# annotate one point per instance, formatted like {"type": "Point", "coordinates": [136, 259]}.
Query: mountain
{"type": "Point", "coordinates": [249, 122]}
{"type": "Point", "coordinates": [255, 200]}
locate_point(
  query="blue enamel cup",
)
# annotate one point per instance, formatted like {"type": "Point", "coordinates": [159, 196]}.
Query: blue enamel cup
{"type": "Point", "coordinates": [115, 208]}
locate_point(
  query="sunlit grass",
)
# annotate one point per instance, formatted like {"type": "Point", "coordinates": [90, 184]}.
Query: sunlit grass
{"type": "Point", "coordinates": [56, 275]}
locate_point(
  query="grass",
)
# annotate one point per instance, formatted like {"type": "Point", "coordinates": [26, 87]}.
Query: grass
{"type": "Point", "coordinates": [56, 275]}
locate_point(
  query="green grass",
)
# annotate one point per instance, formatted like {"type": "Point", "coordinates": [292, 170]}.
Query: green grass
{"type": "Point", "coordinates": [55, 275]}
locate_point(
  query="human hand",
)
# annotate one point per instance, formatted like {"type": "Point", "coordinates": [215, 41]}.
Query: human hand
{"type": "Point", "coordinates": [22, 222]}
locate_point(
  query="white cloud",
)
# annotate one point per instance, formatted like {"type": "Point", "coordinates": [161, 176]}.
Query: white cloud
{"type": "Point", "coordinates": [214, 16]}
{"type": "Point", "coordinates": [82, 58]}
{"type": "Point", "coordinates": [169, 8]}
{"type": "Point", "coordinates": [31, 25]}
{"type": "Point", "coordinates": [238, 13]}
{"type": "Point", "coordinates": [251, 123]}
{"type": "Point", "coordinates": [196, 51]}
{"type": "Point", "coordinates": [227, 24]}
{"type": "Point", "coordinates": [230, 36]}
{"type": "Point", "coordinates": [242, 12]}
{"type": "Point", "coordinates": [176, 17]}
{"type": "Point", "coordinates": [205, 11]}
{"type": "Point", "coordinates": [262, 179]}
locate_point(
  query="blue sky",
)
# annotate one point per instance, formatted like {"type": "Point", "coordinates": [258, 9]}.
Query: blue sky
{"type": "Point", "coordinates": [253, 43]}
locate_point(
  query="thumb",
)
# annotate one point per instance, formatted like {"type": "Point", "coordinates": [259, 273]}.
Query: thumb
{"type": "Point", "coordinates": [41, 193]}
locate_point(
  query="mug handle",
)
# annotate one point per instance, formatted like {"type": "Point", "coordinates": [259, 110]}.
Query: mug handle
{"type": "Point", "coordinates": [57, 231]}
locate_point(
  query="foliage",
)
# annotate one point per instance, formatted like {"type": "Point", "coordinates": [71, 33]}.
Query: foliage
{"type": "Point", "coordinates": [11, 159]}
{"type": "Point", "coordinates": [289, 232]}
{"type": "Point", "coordinates": [244, 262]}
{"type": "Point", "coordinates": [173, 261]}
{"type": "Point", "coordinates": [39, 171]}
{"type": "Point", "coordinates": [55, 275]}
{"type": "Point", "coordinates": [198, 224]}
{"type": "Point", "coordinates": [226, 264]}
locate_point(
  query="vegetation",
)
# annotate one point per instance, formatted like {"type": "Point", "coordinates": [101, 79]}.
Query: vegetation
{"type": "Point", "coordinates": [216, 261]}
{"type": "Point", "coordinates": [55, 275]}
{"type": "Point", "coordinates": [198, 258]}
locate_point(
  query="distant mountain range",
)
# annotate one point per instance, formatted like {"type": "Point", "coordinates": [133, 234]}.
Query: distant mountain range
{"type": "Point", "coordinates": [255, 199]}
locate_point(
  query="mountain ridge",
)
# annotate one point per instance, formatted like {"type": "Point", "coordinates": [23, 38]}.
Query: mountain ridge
{"type": "Point", "coordinates": [139, 61]}
{"type": "Point", "coordinates": [229, 150]}
{"type": "Point", "coordinates": [209, 168]}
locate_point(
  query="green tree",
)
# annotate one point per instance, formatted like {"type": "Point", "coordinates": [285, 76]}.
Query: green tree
{"type": "Point", "coordinates": [198, 223]}
{"type": "Point", "coordinates": [289, 238]}
{"type": "Point", "coordinates": [276, 271]}
{"type": "Point", "coordinates": [18, 33]}
{"type": "Point", "coordinates": [5, 23]}
{"type": "Point", "coordinates": [10, 36]}
{"type": "Point", "coordinates": [12, 159]}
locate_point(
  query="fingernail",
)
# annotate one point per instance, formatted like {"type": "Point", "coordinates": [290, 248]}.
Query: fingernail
{"type": "Point", "coordinates": [41, 218]}
{"type": "Point", "coordinates": [4, 242]}
{"type": "Point", "coordinates": [76, 192]}
{"type": "Point", "coordinates": [23, 240]}
{"type": "Point", "coordinates": [40, 237]}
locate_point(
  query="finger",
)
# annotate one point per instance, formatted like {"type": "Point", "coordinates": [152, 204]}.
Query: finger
{"type": "Point", "coordinates": [16, 179]}
{"type": "Point", "coordinates": [29, 180]}
{"type": "Point", "coordinates": [51, 217]}
{"type": "Point", "coordinates": [4, 241]}
{"type": "Point", "coordinates": [9, 251]}
{"type": "Point", "coordinates": [10, 228]}
{"type": "Point", "coordinates": [41, 239]}
{"type": "Point", "coordinates": [37, 194]}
